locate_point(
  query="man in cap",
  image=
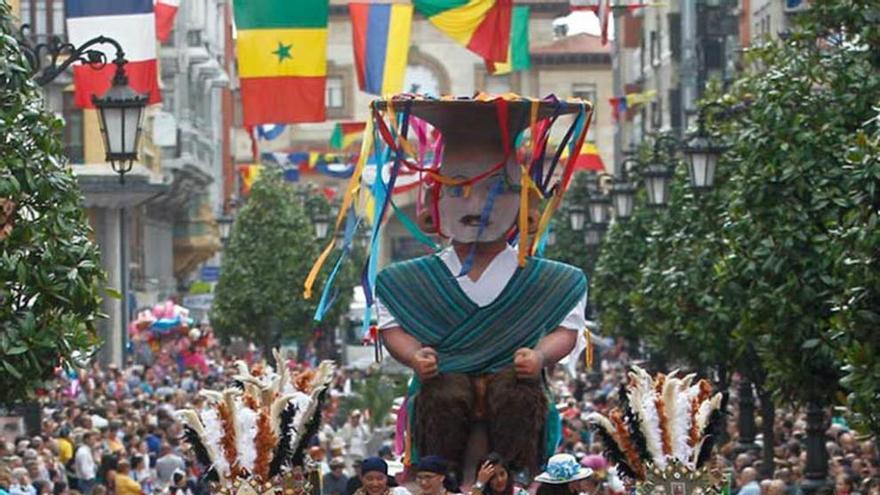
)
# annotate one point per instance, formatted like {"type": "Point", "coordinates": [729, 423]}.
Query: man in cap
{"type": "Point", "coordinates": [335, 481]}
{"type": "Point", "coordinates": [356, 433]}
{"type": "Point", "coordinates": [477, 322]}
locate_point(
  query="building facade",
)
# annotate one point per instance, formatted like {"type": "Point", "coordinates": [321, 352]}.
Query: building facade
{"type": "Point", "coordinates": [157, 228]}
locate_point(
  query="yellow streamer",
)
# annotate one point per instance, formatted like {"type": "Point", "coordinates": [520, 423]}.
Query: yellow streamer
{"type": "Point", "coordinates": [523, 248]}
{"type": "Point", "coordinates": [588, 355]}
{"type": "Point", "coordinates": [353, 185]}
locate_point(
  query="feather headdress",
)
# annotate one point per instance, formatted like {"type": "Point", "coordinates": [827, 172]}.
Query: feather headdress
{"type": "Point", "coordinates": [664, 427]}
{"type": "Point", "coordinates": [250, 437]}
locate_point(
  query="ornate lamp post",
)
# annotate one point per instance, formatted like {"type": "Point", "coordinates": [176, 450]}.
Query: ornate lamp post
{"type": "Point", "coordinates": [702, 151]}
{"type": "Point", "coordinates": [322, 225]}
{"type": "Point", "coordinates": [598, 205]}
{"type": "Point", "coordinates": [225, 224]}
{"type": "Point", "coordinates": [120, 109]}
{"type": "Point", "coordinates": [623, 192]}
{"type": "Point", "coordinates": [658, 172]}
{"type": "Point", "coordinates": [577, 215]}
{"type": "Point", "coordinates": [594, 233]}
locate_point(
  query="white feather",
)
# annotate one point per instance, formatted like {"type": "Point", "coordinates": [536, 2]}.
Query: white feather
{"type": "Point", "coordinates": [213, 440]}
{"type": "Point", "coordinates": [245, 433]}
{"type": "Point", "coordinates": [644, 403]}
{"type": "Point", "coordinates": [681, 450]}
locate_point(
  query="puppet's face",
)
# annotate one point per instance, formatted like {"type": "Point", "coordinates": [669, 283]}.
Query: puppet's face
{"type": "Point", "coordinates": [460, 210]}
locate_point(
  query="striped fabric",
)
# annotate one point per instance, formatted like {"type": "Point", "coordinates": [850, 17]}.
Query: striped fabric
{"type": "Point", "coordinates": [427, 301]}
{"type": "Point", "coordinates": [132, 23]}
{"type": "Point", "coordinates": [482, 26]}
{"type": "Point", "coordinates": [381, 44]}
{"type": "Point", "coordinates": [282, 60]}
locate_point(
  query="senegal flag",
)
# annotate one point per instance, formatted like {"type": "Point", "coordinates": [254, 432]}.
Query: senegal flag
{"type": "Point", "coordinates": [282, 59]}
{"type": "Point", "coordinates": [482, 26]}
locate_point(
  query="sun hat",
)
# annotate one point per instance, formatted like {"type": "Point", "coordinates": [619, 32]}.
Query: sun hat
{"type": "Point", "coordinates": [563, 468]}
{"type": "Point", "coordinates": [337, 462]}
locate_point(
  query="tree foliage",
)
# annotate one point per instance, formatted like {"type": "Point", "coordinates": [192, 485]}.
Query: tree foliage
{"type": "Point", "coordinates": [50, 275]}
{"type": "Point", "coordinates": [271, 249]}
{"type": "Point", "coordinates": [782, 256]}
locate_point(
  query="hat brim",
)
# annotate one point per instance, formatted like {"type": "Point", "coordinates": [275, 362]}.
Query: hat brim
{"type": "Point", "coordinates": [448, 114]}
{"type": "Point", "coordinates": [545, 477]}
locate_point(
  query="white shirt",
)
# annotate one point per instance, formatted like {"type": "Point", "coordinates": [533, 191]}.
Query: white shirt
{"type": "Point", "coordinates": [488, 287]}
{"type": "Point", "coordinates": [84, 463]}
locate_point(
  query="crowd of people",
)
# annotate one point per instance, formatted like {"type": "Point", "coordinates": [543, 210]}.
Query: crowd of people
{"type": "Point", "coordinates": [112, 431]}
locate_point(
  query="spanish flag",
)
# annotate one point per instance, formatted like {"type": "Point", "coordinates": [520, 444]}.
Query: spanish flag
{"type": "Point", "coordinates": [588, 159]}
{"type": "Point", "coordinates": [282, 59]}
{"type": "Point", "coordinates": [482, 26]}
{"type": "Point", "coordinates": [381, 45]}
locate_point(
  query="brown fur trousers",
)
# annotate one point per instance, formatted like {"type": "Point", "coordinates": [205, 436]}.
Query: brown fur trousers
{"type": "Point", "coordinates": [515, 411]}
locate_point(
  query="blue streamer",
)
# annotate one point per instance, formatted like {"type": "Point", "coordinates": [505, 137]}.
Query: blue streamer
{"type": "Point", "coordinates": [326, 302]}
{"type": "Point", "coordinates": [269, 133]}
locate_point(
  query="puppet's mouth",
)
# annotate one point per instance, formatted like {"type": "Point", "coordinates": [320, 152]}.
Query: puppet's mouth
{"type": "Point", "coordinates": [471, 221]}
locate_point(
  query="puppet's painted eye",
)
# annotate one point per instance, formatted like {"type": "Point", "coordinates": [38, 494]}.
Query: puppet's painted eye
{"type": "Point", "coordinates": [455, 191]}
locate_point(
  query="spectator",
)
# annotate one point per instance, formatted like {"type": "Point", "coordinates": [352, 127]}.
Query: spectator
{"type": "Point", "coordinates": [167, 464]}
{"type": "Point", "coordinates": [748, 482]}
{"type": "Point", "coordinates": [335, 481]}
{"type": "Point", "coordinates": [21, 483]}
{"type": "Point", "coordinates": [356, 434]}
{"type": "Point", "coordinates": [86, 469]}
{"type": "Point", "coordinates": [125, 484]}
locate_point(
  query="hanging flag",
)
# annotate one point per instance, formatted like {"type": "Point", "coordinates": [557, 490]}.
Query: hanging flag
{"type": "Point", "coordinates": [518, 57]}
{"type": "Point", "coordinates": [604, 14]}
{"type": "Point", "coordinates": [633, 99]}
{"type": "Point", "coordinates": [588, 158]}
{"type": "Point", "coordinates": [166, 11]}
{"type": "Point", "coordinates": [270, 132]}
{"type": "Point", "coordinates": [482, 26]}
{"type": "Point", "coordinates": [346, 133]}
{"type": "Point", "coordinates": [248, 175]}
{"type": "Point", "coordinates": [282, 60]}
{"type": "Point", "coordinates": [132, 24]}
{"type": "Point", "coordinates": [381, 45]}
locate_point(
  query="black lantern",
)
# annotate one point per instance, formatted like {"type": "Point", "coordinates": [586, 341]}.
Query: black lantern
{"type": "Point", "coordinates": [593, 234]}
{"type": "Point", "coordinates": [623, 195]}
{"type": "Point", "coordinates": [657, 177]}
{"type": "Point", "coordinates": [702, 153]}
{"type": "Point", "coordinates": [225, 225]}
{"type": "Point", "coordinates": [597, 205]}
{"type": "Point", "coordinates": [623, 191]}
{"type": "Point", "coordinates": [322, 225]}
{"type": "Point", "coordinates": [120, 112]}
{"type": "Point", "coordinates": [578, 216]}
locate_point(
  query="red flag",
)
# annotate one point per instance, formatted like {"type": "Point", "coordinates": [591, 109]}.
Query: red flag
{"type": "Point", "coordinates": [166, 11]}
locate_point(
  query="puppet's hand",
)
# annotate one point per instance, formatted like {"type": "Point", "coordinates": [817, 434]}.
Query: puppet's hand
{"type": "Point", "coordinates": [424, 363]}
{"type": "Point", "coordinates": [528, 363]}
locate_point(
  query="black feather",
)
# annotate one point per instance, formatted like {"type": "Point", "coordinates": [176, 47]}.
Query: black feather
{"type": "Point", "coordinates": [310, 430]}
{"type": "Point", "coordinates": [201, 452]}
{"type": "Point", "coordinates": [237, 384]}
{"type": "Point", "coordinates": [710, 432]}
{"type": "Point", "coordinates": [613, 453]}
{"type": "Point", "coordinates": [633, 422]}
{"type": "Point", "coordinates": [283, 450]}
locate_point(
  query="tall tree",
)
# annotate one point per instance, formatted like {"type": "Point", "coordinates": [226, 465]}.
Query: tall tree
{"type": "Point", "coordinates": [50, 276]}
{"type": "Point", "coordinates": [271, 249]}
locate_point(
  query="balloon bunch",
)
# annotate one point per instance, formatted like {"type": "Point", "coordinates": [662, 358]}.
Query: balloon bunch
{"type": "Point", "coordinates": [164, 319]}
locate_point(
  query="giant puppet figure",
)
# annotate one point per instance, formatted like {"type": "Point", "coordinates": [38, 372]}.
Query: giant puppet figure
{"type": "Point", "coordinates": [477, 322]}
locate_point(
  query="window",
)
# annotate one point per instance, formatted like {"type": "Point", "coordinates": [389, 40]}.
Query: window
{"type": "Point", "coordinates": [586, 91]}
{"type": "Point", "coordinates": [675, 36]}
{"type": "Point", "coordinates": [657, 114]}
{"type": "Point", "coordinates": [675, 109]}
{"type": "Point", "coordinates": [655, 49]}
{"type": "Point", "coordinates": [73, 129]}
{"type": "Point", "coordinates": [497, 85]}
{"type": "Point", "coordinates": [642, 51]}
{"type": "Point", "coordinates": [335, 93]}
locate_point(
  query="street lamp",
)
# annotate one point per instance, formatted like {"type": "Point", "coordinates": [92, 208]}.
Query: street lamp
{"type": "Point", "coordinates": [623, 192]}
{"type": "Point", "coordinates": [225, 225]}
{"type": "Point", "coordinates": [593, 234]}
{"type": "Point", "coordinates": [658, 173]}
{"type": "Point", "coordinates": [322, 225]}
{"type": "Point", "coordinates": [120, 110]}
{"type": "Point", "coordinates": [577, 215]}
{"type": "Point", "coordinates": [598, 204]}
{"type": "Point", "coordinates": [551, 237]}
{"type": "Point", "coordinates": [702, 152]}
